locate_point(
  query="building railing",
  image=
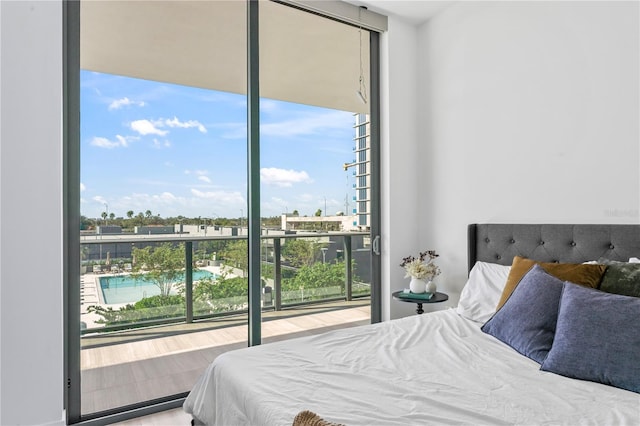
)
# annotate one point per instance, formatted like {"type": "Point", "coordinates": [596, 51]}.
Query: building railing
{"type": "Point", "coordinates": [118, 250]}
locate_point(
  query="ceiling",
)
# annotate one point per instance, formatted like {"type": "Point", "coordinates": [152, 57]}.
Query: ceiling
{"type": "Point", "coordinates": [303, 58]}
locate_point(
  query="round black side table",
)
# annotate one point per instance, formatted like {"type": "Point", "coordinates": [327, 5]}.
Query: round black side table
{"type": "Point", "coordinates": [436, 298]}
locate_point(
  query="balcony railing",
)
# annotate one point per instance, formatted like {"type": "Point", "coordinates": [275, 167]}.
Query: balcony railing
{"type": "Point", "coordinates": [349, 250]}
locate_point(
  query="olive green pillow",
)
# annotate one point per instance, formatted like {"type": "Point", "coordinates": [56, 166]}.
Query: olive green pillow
{"type": "Point", "coordinates": [622, 278]}
{"type": "Point", "coordinates": [578, 273]}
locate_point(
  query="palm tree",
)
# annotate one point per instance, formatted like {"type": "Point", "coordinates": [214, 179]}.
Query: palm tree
{"type": "Point", "coordinates": [130, 214]}
{"type": "Point", "coordinates": [112, 215]}
{"type": "Point", "coordinates": [104, 216]}
{"type": "Point", "coordinates": [148, 214]}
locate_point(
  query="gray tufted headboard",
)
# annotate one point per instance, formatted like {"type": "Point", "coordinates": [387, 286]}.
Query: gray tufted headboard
{"type": "Point", "coordinates": [499, 243]}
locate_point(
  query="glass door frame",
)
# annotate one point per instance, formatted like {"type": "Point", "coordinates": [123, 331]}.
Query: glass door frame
{"type": "Point", "coordinates": [71, 214]}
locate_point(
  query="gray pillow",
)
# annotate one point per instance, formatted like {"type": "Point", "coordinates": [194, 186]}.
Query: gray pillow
{"type": "Point", "coordinates": [597, 338]}
{"type": "Point", "coordinates": [527, 321]}
{"type": "Point", "coordinates": [621, 278]}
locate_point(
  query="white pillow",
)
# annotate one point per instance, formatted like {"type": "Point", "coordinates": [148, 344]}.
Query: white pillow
{"type": "Point", "coordinates": [482, 291]}
{"type": "Point", "coordinates": [634, 260]}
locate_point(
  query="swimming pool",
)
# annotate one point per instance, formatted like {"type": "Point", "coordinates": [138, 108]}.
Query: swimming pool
{"type": "Point", "coordinates": [126, 289]}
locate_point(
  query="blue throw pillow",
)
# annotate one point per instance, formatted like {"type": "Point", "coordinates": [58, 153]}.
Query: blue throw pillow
{"type": "Point", "coordinates": [527, 320]}
{"type": "Point", "coordinates": [597, 338]}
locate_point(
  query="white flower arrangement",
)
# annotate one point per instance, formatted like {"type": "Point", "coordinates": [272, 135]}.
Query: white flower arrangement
{"type": "Point", "coordinates": [421, 267]}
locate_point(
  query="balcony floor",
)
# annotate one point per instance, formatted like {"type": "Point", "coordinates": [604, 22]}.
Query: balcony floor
{"type": "Point", "coordinates": [123, 368]}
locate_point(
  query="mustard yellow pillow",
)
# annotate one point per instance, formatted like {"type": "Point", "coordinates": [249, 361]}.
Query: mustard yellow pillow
{"type": "Point", "coordinates": [578, 273]}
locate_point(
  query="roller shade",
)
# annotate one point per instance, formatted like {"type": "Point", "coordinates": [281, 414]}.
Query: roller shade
{"type": "Point", "coordinates": [304, 58]}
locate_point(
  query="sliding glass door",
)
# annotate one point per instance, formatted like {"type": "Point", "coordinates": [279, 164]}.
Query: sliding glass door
{"type": "Point", "coordinates": [314, 173]}
{"type": "Point", "coordinates": [227, 190]}
{"type": "Point", "coordinates": [163, 162]}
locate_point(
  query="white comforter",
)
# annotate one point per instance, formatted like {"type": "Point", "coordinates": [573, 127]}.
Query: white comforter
{"type": "Point", "coordinates": [437, 369]}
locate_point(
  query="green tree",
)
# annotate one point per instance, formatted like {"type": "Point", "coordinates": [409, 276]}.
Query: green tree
{"type": "Point", "coordinates": [301, 252]}
{"type": "Point", "coordinates": [220, 295]}
{"type": "Point", "coordinates": [162, 266]}
{"type": "Point", "coordinates": [223, 287]}
{"type": "Point", "coordinates": [86, 223]}
{"type": "Point", "coordinates": [130, 214]}
{"type": "Point", "coordinates": [236, 254]}
{"type": "Point", "coordinates": [318, 281]}
{"type": "Point", "coordinates": [112, 216]}
{"type": "Point", "coordinates": [320, 275]}
{"type": "Point", "coordinates": [149, 308]}
{"type": "Point", "coordinates": [318, 213]}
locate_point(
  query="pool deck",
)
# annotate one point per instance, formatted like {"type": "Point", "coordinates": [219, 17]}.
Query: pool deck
{"type": "Point", "coordinates": [91, 294]}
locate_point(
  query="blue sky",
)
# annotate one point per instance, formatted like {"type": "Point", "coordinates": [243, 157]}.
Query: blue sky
{"type": "Point", "coordinates": [179, 150]}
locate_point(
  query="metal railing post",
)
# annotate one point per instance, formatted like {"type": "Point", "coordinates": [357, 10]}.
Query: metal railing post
{"type": "Point", "coordinates": [188, 280]}
{"type": "Point", "coordinates": [347, 268]}
{"type": "Point", "coordinates": [277, 279]}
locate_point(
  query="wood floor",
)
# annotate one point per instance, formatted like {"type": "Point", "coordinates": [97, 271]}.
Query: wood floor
{"type": "Point", "coordinates": [125, 368]}
{"type": "Point", "coordinates": [175, 417]}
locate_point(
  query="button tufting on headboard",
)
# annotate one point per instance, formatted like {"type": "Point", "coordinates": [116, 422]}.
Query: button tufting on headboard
{"type": "Point", "coordinates": [566, 243]}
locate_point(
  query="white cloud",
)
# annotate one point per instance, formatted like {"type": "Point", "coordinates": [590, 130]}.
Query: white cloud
{"type": "Point", "coordinates": [219, 196]}
{"type": "Point", "coordinates": [161, 144]}
{"type": "Point", "coordinates": [82, 187]}
{"type": "Point", "coordinates": [202, 175]}
{"type": "Point", "coordinates": [104, 142]}
{"type": "Point", "coordinates": [141, 198]}
{"type": "Point", "coordinates": [227, 203]}
{"type": "Point", "coordinates": [146, 127]}
{"type": "Point", "coordinates": [174, 122]}
{"type": "Point", "coordinates": [268, 105]}
{"type": "Point", "coordinates": [166, 197]}
{"type": "Point", "coordinates": [282, 177]}
{"type": "Point", "coordinates": [196, 172]}
{"type": "Point", "coordinates": [154, 127]}
{"type": "Point", "coordinates": [232, 130]}
{"type": "Point", "coordinates": [121, 141]}
{"type": "Point", "coordinates": [119, 103]}
{"type": "Point", "coordinates": [309, 124]}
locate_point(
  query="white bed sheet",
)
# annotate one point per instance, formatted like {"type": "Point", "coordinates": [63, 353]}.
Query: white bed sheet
{"type": "Point", "coordinates": [436, 368]}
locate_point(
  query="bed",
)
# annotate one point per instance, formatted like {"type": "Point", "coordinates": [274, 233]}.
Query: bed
{"type": "Point", "coordinates": [451, 366]}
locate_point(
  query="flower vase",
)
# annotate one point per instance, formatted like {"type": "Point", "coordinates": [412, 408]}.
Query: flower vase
{"type": "Point", "coordinates": [417, 285]}
{"type": "Point", "coordinates": [430, 287]}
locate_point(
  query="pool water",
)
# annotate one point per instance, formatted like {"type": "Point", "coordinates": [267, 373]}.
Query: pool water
{"type": "Point", "coordinates": [126, 289]}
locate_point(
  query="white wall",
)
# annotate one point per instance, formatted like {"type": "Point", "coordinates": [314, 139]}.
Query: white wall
{"type": "Point", "coordinates": [31, 351]}
{"type": "Point", "coordinates": [529, 112]}
{"type": "Point", "coordinates": [399, 154]}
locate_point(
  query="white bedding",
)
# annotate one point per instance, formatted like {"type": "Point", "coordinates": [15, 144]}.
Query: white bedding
{"type": "Point", "coordinates": [436, 368]}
